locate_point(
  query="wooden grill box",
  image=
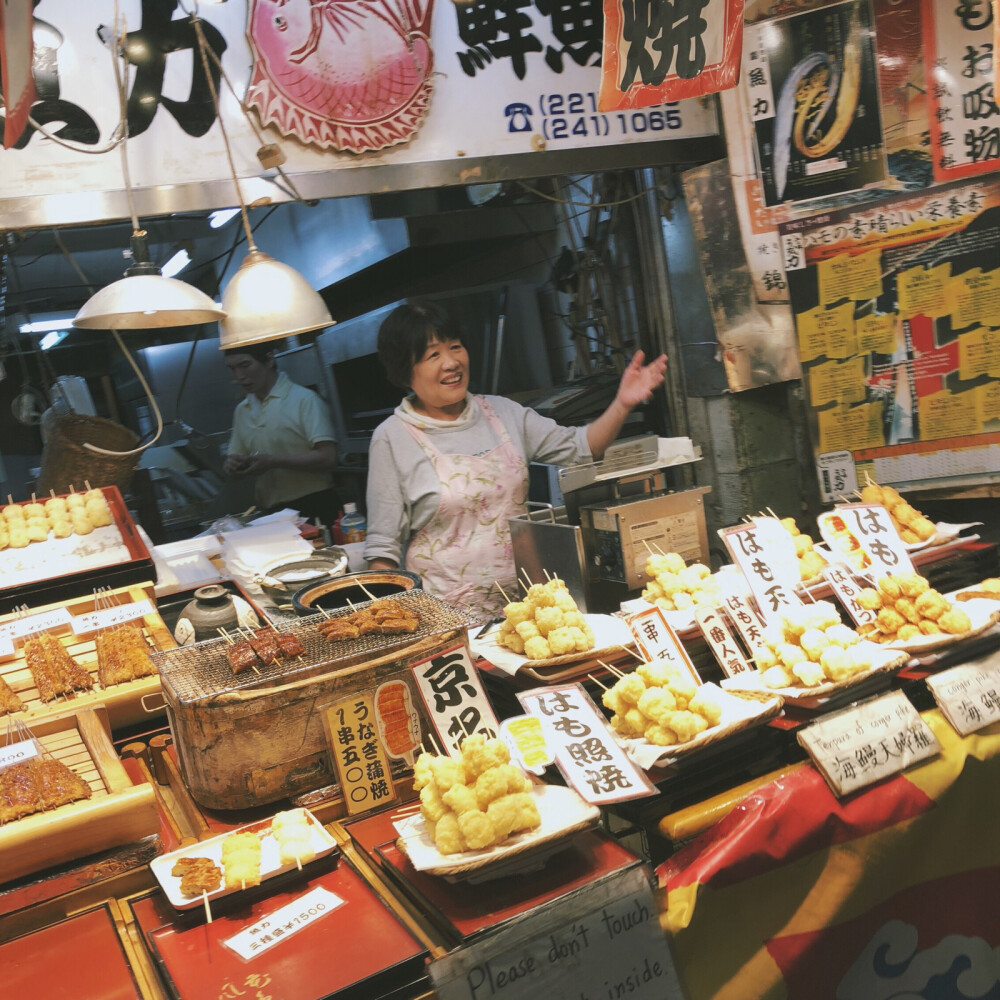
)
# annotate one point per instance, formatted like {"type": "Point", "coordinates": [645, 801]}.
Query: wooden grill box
{"type": "Point", "coordinates": [118, 812]}
{"type": "Point", "coordinates": [247, 740]}
{"type": "Point", "coordinates": [125, 703]}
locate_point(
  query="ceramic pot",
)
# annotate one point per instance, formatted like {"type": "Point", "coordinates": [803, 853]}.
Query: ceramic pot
{"type": "Point", "coordinates": [211, 610]}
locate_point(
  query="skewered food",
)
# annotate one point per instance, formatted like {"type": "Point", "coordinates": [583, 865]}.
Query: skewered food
{"type": "Point", "coordinates": [476, 802]}
{"type": "Point", "coordinates": [660, 703]}
{"type": "Point", "coordinates": [264, 645]}
{"type": "Point", "coordinates": [9, 701]}
{"type": "Point", "coordinates": [912, 526]}
{"type": "Point", "coordinates": [241, 860]}
{"type": "Point", "coordinates": [387, 617]}
{"type": "Point", "coordinates": [60, 516]}
{"type": "Point", "coordinates": [293, 832]}
{"type": "Point", "coordinates": [55, 672]}
{"type": "Point", "coordinates": [907, 607]}
{"type": "Point", "coordinates": [197, 875]}
{"type": "Point", "coordinates": [36, 785]}
{"type": "Point", "coordinates": [675, 586]}
{"type": "Point", "coordinates": [546, 623]}
{"type": "Point", "coordinates": [811, 563]}
{"type": "Point", "coordinates": [122, 655]}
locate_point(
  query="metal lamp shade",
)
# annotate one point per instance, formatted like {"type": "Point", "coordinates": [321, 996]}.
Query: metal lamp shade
{"type": "Point", "coordinates": [144, 302]}
{"type": "Point", "coordinates": [268, 300]}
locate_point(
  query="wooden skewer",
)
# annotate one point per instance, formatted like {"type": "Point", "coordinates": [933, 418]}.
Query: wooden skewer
{"type": "Point", "coordinates": [86, 483]}
{"type": "Point", "coordinates": [528, 578]}
{"type": "Point", "coordinates": [610, 669]}
{"type": "Point", "coordinates": [10, 499]}
{"type": "Point", "coordinates": [632, 652]}
{"type": "Point", "coordinates": [503, 593]}
{"type": "Point", "coordinates": [648, 548]}
{"type": "Point", "coordinates": [659, 551]}
{"type": "Point", "coordinates": [548, 578]}
{"type": "Point", "coordinates": [597, 682]}
{"type": "Point", "coordinates": [225, 635]}
{"type": "Point", "coordinates": [208, 909]}
{"type": "Point", "coordinates": [368, 593]}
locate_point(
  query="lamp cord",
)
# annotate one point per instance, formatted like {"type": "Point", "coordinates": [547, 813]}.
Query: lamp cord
{"type": "Point", "coordinates": [202, 51]}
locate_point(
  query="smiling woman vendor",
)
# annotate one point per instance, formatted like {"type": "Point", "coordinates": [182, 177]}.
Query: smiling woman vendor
{"type": "Point", "coordinates": [448, 469]}
{"type": "Point", "coordinates": [283, 436]}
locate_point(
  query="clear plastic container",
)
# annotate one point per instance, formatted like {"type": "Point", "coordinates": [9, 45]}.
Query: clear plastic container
{"type": "Point", "coordinates": [353, 525]}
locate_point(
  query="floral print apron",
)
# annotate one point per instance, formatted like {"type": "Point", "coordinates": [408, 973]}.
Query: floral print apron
{"type": "Point", "coordinates": [465, 549]}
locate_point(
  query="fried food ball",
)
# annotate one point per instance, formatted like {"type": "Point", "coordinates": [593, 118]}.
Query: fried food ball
{"type": "Point", "coordinates": [537, 648]}
{"type": "Point", "coordinates": [631, 687]}
{"type": "Point", "coordinates": [706, 706]}
{"type": "Point", "coordinates": [565, 602]}
{"type": "Point", "coordinates": [527, 629]}
{"type": "Point", "coordinates": [61, 528]}
{"type": "Point", "coordinates": [460, 799]}
{"type": "Point", "coordinates": [912, 584]}
{"type": "Point", "coordinates": [480, 753]}
{"type": "Point", "coordinates": [514, 643]}
{"type": "Point", "coordinates": [764, 658]}
{"type": "Point", "coordinates": [788, 523]}
{"type": "Point", "coordinates": [928, 626]}
{"type": "Point", "coordinates": [683, 601]}
{"type": "Point", "coordinates": [861, 657]}
{"type": "Point", "coordinates": [527, 817]}
{"type": "Point", "coordinates": [664, 562]}
{"type": "Point", "coordinates": [632, 723]}
{"type": "Point", "coordinates": [930, 604]}
{"type": "Point", "coordinates": [842, 635]}
{"type": "Point", "coordinates": [447, 771]}
{"type": "Point", "coordinates": [924, 528]}
{"type": "Point", "coordinates": [548, 619]}
{"type": "Point", "coordinates": [613, 700]}
{"type": "Point", "coordinates": [790, 654]}
{"type": "Point", "coordinates": [82, 524]}
{"type": "Point", "coordinates": [75, 501]}
{"type": "Point", "coordinates": [448, 837]}
{"type": "Point", "coordinates": [908, 535]}
{"type": "Point", "coordinates": [908, 610]}
{"type": "Point", "coordinates": [907, 632]}
{"type": "Point", "coordinates": [809, 673]}
{"type": "Point", "coordinates": [811, 565]}
{"type": "Point", "coordinates": [890, 587]}
{"type": "Point", "coordinates": [803, 544]}
{"type": "Point", "coordinates": [954, 621]}
{"type": "Point", "coordinates": [778, 677]}
{"type": "Point", "coordinates": [904, 514]}
{"type": "Point", "coordinates": [516, 611]}
{"type": "Point", "coordinates": [37, 529]}
{"type": "Point", "coordinates": [869, 599]}
{"type": "Point", "coordinates": [872, 493]}
{"type": "Point", "coordinates": [772, 636]}
{"type": "Point", "coordinates": [813, 641]}
{"type": "Point", "coordinates": [888, 620]}
{"type": "Point", "coordinates": [660, 736]}
{"type": "Point", "coordinates": [502, 813]}
{"type": "Point", "coordinates": [18, 537]}
{"type": "Point", "coordinates": [686, 724]}
{"type": "Point", "coordinates": [656, 703]}
{"type": "Point", "coordinates": [540, 596]}
{"type": "Point", "coordinates": [561, 640]}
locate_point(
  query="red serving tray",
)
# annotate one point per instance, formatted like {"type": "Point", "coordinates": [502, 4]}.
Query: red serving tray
{"type": "Point", "coordinates": [78, 957]}
{"type": "Point", "coordinates": [138, 568]}
{"type": "Point", "coordinates": [358, 951]}
{"type": "Point", "coordinates": [461, 910]}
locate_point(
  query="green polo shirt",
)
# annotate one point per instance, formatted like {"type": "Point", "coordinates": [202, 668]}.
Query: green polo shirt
{"type": "Point", "coordinates": [289, 420]}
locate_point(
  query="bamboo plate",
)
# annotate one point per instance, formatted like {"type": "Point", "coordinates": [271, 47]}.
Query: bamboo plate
{"type": "Point", "coordinates": [563, 814]}
{"type": "Point", "coordinates": [740, 710]}
{"type": "Point", "coordinates": [885, 659]}
{"type": "Point", "coordinates": [610, 634]}
{"type": "Point", "coordinates": [270, 862]}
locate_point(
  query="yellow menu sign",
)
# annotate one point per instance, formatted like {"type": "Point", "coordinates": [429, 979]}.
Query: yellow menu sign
{"type": "Point", "coordinates": [358, 753]}
{"type": "Point", "coordinates": [923, 292]}
{"type": "Point", "coordinates": [851, 428]}
{"type": "Point", "coordinates": [948, 414]}
{"type": "Point", "coordinates": [827, 333]}
{"type": "Point", "coordinates": [837, 382]}
{"type": "Point", "coordinates": [854, 277]}
{"type": "Point", "coordinates": [987, 403]}
{"type": "Point", "coordinates": [877, 332]}
{"type": "Point", "coordinates": [978, 354]}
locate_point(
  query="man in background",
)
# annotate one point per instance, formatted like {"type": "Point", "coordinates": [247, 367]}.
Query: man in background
{"type": "Point", "coordinates": [282, 436]}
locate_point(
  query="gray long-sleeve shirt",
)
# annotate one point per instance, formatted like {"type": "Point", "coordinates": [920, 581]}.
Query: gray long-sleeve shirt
{"type": "Point", "coordinates": [403, 490]}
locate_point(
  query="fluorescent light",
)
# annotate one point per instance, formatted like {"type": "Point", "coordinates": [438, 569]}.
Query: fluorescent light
{"type": "Point", "coordinates": [219, 218]}
{"type": "Point", "coordinates": [45, 325]}
{"type": "Point", "coordinates": [52, 338]}
{"type": "Point", "coordinates": [176, 264]}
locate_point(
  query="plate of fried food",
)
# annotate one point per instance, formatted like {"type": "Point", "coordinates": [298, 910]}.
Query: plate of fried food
{"type": "Point", "coordinates": [546, 628]}
{"type": "Point", "coordinates": [810, 653]}
{"type": "Point", "coordinates": [916, 530]}
{"type": "Point", "coordinates": [660, 713]}
{"type": "Point", "coordinates": [232, 862]}
{"type": "Point", "coordinates": [481, 817]}
{"type": "Point", "coordinates": [676, 587]}
{"type": "Point", "coordinates": [911, 615]}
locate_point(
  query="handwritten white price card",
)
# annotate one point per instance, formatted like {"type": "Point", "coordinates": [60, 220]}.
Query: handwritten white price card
{"type": "Point", "coordinates": [282, 923]}
{"type": "Point", "coordinates": [721, 642]}
{"type": "Point", "coordinates": [765, 554]}
{"type": "Point", "coordinates": [748, 623]}
{"type": "Point", "coordinates": [658, 641]}
{"type": "Point", "coordinates": [869, 742]}
{"type": "Point", "coordinates": [871, 525]}
{"type": "Point", "coordinates": [602, 940]}
{"type": "Point", "coordinates": [450, 687]}
{"type": "Point", "coordinates": [587, 754]}
{"type": "Point", "coordinates": [968, 695]}
{"type": "Point", "coordinates": [846, 589]}
{"type": "Point", "coordinates": [93, 621]}
{"type": "Point", "coordinates": [14, 753]}
{"type": "Point", "coordinates": [48, 621]}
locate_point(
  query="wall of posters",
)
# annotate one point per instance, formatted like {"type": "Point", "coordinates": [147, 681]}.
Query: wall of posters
{"type": "Point", "coordinates": [897, 314]}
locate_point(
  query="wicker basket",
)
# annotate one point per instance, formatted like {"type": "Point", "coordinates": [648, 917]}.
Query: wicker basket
{"type": "Point", "coordinates": [67, 464]}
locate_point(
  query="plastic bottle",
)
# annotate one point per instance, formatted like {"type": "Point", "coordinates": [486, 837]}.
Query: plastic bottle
{"type": "Point", "coordinates": [353, 524]}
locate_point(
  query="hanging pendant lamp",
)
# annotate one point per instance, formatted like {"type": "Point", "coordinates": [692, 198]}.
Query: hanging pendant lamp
{"type": "Point", "coordinates": [265, 299]}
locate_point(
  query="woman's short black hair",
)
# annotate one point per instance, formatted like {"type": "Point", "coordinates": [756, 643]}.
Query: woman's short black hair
{"type": "Point", "coordinates": [405, 333]}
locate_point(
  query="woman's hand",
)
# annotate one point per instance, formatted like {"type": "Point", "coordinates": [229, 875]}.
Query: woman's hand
{"type": "Point", "coordinates": [639, 380]}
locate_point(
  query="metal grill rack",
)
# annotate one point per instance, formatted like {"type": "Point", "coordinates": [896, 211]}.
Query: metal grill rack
{"type": "Point", "coordinates": [201, 671]}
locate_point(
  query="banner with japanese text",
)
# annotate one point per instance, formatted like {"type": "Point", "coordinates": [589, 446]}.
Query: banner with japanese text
{"type": "Point", "coordinates": [897, 313]}
{"type": "Point", "coordinates": [461, 84]}
{"type": "Point", "coordinates": [662, 50]}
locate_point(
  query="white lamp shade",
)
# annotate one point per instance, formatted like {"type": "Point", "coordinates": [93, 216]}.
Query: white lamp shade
{"type": "Point", "coordinates": [145, 302]}
{"type": "Point", "coordinates": [268, 300]}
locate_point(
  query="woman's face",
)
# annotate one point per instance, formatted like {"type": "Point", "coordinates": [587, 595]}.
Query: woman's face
{"type": "Point", "coordinates": [440, 379]}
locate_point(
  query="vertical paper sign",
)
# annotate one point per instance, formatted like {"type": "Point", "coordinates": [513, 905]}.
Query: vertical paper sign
{"type": "Point", "coordinates": [658, 641]}
{"type": "Point", "coordinates": [763, 558]}
{"type": "Point", "coordinates": [358, 754]}
{"type": "Point", "coordinates": [845, 589]}
{"type": "Point", "coordinates": [968, 695]}
{"type": "Point", "coordinates": [599, 941]}
{"type": "Point", "coordinates": [873, 528]}
{"type": "Point", "coordinates": [587, 754]}
{"type": "Point", "coordinates": [721, 641]}
{"type": "Point", "coordinates": [453, 693]}
{"type": "Point", "coordinates": [875, 740]}
{"type": "Point", "coordinates": [748, 623]}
